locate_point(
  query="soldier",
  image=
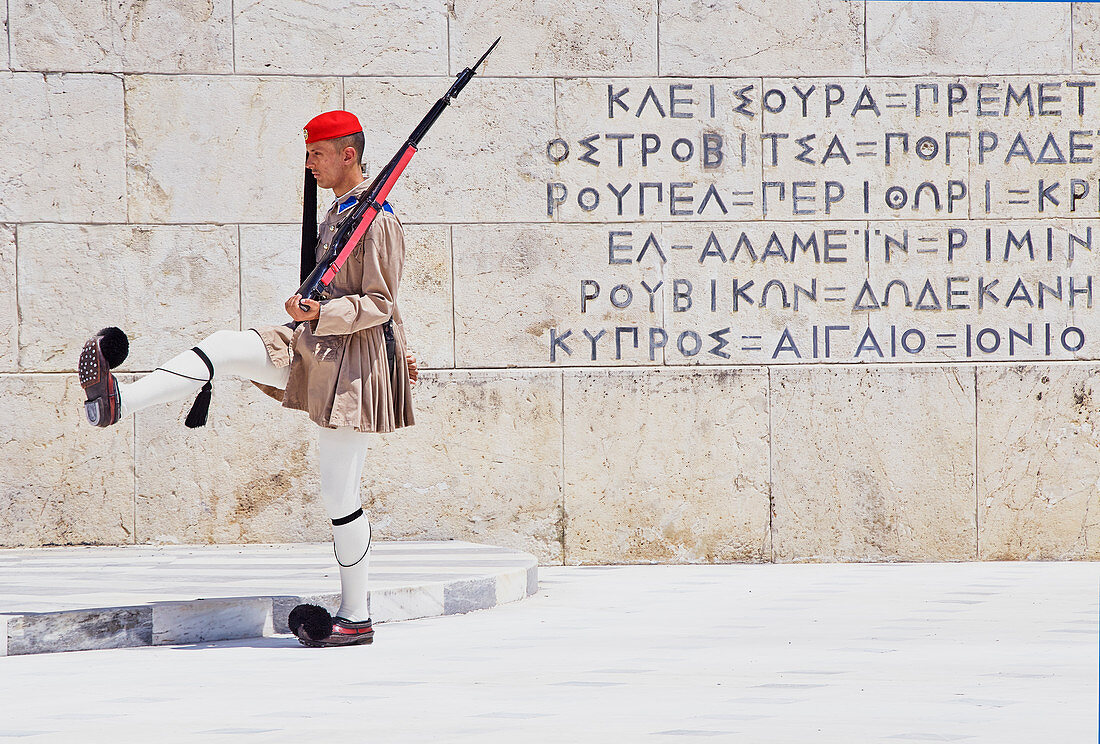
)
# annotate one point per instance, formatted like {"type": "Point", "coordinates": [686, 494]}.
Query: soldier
{"type": "Point", "coordinates": [342, 360]}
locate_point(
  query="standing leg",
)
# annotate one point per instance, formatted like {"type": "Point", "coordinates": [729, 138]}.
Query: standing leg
{"type": "Point", "coordinates": [343, 452]}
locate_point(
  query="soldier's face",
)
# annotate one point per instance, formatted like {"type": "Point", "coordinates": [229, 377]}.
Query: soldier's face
{"type": "Point", "coordinates": [328, 162]}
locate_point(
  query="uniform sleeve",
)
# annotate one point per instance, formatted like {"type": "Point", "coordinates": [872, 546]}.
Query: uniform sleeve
{"type": "Point", "coordinates": [383, 251]}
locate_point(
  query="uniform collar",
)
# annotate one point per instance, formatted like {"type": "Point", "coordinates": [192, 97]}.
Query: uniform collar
{"type": "Point", "coordinates": [342, 203]}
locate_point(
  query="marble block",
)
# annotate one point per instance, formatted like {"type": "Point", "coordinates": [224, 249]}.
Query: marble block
{"type": "Point", "coordinates": [4, 620]}
{"type": "Point", "coordinates": [666, 466]}
{"type": "Point", "coordinates": [920, 38]}
{"type": "Point", "coordinates": [406, 602]}
{"type": "Point", "coordinates": [9, 312]}
{"type": "Point", "coordinates": [71, 128]}
{"type": "Point", "coordinates": [270, 265]}
{"type": "Point", "coordinates": [64, 482]}
{"type": "Point", "coordinates": [482, 463]}
{"type": "Point", "coordinates": [469, 595]}
{"type": "Point", "coordinates": [511, 586]}
{"type": "Point", "coordinates": [757, 37]}
{"type": "Point", "coordinates": [518, 287]}
{"type": "Point", "coordinates": [1038, 434]}
{"type": "Point", "coordinates": [4, 47]}
{"type": "Point", "coordinates": [217, 149]}
{"type": "Point", "coordinates": [205, 620]}
{"type": "Point", "coordinates": [574, 38]}
{"type": "Point", "coordinates": [122, 36]}
{"type": "Point", "coordinates": [1086, 38]}
{"type": "Point", "coordinates": [167, 287]}
{"type": "Point", "coordinates": [873, 464]}
{"type": "Point", "coordinates": [232, 480]}
{"type": "Point", "coordinates": [485, 158]}
{"type": "Point", "coordinates": [405, 37]}
{"type": "Point", "coordinates": [79, 630]}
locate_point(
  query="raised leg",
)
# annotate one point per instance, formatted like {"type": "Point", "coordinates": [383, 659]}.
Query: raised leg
{"type": "Point", "coordinates": [232, 353]}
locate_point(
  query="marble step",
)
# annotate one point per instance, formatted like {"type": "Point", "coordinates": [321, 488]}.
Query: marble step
{"type": "Point", "coordinates": [74, 599]}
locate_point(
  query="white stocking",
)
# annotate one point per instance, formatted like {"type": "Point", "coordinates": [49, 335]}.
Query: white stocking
{"type": "Point", "coordinates": [233, 353]}
{"type": "Point", "coordinates": [343, 452]}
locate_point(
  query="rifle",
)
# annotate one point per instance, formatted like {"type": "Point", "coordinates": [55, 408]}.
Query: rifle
{"type": "Point", "coordinates": [370, 203]}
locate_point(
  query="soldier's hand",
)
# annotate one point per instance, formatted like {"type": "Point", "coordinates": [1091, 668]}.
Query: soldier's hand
{"type": "Point", "coordinates": [294, 310]}
{"type": "Point", "coordinates": [414, 373]}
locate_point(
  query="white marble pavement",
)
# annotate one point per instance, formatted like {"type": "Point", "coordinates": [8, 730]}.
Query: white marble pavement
{"type": "Point", "coordinates": [744, 654]}
{"type": "Point", "coordinates": [69, 599]}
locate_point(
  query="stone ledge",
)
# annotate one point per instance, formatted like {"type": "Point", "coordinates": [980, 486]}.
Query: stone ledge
{"type": "Point", "coordinates": [117, 597]}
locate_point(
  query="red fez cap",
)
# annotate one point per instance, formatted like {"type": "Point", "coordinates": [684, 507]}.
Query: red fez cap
{"type": "Point", "coordinates": [330, 125]}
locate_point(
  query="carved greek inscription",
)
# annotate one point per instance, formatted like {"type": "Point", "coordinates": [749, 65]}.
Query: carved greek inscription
{"type": "Point", "coordinates": [814, 220]}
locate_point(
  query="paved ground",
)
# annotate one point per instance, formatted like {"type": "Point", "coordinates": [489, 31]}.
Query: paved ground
{"type": "Point", "coordinates": [790, 653]}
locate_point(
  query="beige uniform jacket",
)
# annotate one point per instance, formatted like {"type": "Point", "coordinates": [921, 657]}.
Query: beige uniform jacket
{"type": "Point", "coordinates": [339, 368]}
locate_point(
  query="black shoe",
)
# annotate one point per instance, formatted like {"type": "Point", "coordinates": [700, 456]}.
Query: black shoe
{"type": "Point", "coordinates": [345, 633]}
{"type": "Point", "coordinates": [316, 628]}
{"type": "Point", "coordinates": [104, 351]}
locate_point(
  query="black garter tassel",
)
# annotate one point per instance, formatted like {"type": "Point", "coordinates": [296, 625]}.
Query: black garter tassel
{"type": "Point", "coordinates": [196, 417]}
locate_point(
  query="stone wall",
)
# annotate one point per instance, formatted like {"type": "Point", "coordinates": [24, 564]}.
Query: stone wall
{"type": "Point", "coordinates": [806, 280]}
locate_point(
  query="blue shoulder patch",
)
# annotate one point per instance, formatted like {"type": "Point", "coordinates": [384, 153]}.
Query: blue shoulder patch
{"type": "Point", "coordinates": [386, 206]}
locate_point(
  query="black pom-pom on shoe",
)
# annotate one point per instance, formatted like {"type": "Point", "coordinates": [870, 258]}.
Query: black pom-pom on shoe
{"type": "Point", "coordinates": [114, 345]}
{"type": "Point", "coordinates": [310, 622]}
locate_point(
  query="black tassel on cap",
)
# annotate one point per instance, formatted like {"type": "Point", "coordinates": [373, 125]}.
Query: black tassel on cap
{"type": "Point", "coordinates": [196, 417]}
{"type": "Point", "coordinates": [309, 227]}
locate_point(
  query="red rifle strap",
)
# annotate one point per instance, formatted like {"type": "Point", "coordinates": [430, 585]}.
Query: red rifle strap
{"type": "Point", "coordinates": [368, 217]}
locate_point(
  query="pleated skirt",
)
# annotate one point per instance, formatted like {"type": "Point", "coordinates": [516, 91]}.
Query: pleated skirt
{"type": "Point", "coordinates": [343, 380]}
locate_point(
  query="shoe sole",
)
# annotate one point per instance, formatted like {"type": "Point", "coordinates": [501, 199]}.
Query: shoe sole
{"type": "Point", "coordinates": [99, 385]}
{"type": "Point", "coordinates": [322, 644]}
{"type": "Point", "coordinates": [364, 638]}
